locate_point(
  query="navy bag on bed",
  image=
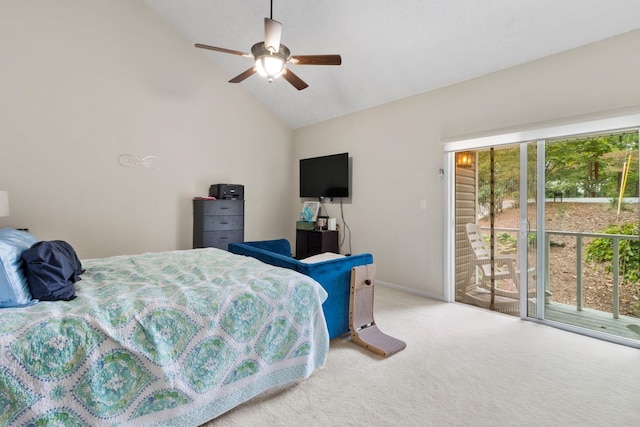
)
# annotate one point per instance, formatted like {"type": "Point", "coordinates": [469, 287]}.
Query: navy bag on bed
{"type": "Point", "coordinates": [52, 268]}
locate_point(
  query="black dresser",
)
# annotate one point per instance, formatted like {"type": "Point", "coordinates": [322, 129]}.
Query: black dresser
{"type": "Point", "coordinates": [216, 223]}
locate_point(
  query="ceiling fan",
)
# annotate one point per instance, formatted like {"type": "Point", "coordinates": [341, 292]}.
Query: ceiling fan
{"type": "Point", "coordinates": [271, 57]}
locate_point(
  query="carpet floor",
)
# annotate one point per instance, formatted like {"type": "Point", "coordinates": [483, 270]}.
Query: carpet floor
{"type": "Point", "coordinates": [463, 366]}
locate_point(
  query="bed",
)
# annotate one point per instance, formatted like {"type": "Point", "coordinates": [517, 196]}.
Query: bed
{"type": "Point", "coordinates": [172, 338]}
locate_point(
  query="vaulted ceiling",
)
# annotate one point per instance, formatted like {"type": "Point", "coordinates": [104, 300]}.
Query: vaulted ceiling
{"type": "Point", "coordinates": [390, 49]}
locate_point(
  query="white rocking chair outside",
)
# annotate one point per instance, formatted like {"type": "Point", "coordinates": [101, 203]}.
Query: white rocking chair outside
{"type": "Point", "coordinates": [505, 272]}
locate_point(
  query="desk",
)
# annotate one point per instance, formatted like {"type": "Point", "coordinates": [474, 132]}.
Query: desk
{"type": "Point", "coordinates": [313, 242]}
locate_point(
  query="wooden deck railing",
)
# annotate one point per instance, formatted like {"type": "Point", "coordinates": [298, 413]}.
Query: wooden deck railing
{"type": "Point", "coordinates": [579, 243]}
{"type": "Point", "coordinates": [579, 246]}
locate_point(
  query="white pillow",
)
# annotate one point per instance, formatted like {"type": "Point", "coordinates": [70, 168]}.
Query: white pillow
{"type": "Point", "coordinates": [321, 257]}
{"type": "Point", "coordinates": [14, 288]}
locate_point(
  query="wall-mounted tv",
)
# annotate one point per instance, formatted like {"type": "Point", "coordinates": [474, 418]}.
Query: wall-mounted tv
{"type": "Point", "coordinates": [326, 176]}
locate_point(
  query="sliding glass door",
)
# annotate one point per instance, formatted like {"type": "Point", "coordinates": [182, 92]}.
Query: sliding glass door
{"type": "Point", "coordinates": [591, 230]}
{"type": "Point", "coordinates": [547, 229]}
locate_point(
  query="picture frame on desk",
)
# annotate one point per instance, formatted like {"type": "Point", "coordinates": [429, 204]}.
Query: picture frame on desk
{"type": "Point", "coordinates": [313, 207]}
{"type": "Point", "coordinates": [322, 222]}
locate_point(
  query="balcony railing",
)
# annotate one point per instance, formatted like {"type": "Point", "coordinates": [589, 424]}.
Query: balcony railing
{"type": "Point", "coordinates": [579, 236]}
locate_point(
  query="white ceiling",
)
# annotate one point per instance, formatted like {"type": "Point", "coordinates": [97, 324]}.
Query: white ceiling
{"type": "Point", "coordinates": [390, 49]}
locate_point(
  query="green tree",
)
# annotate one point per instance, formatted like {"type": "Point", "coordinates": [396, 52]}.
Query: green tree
{"type": "Point", "coordinates": [506, 173]}
{"type": "Point", "coordinates": [590, 166]}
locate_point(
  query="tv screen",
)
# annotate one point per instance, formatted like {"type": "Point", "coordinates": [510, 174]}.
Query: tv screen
{"type": "Point", "coordinates": [326, 176]}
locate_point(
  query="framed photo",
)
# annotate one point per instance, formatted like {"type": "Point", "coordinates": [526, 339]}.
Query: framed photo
{"type": "Point", "coordinates": [313, 207]}
{"type": "Point", "coordinates": [322, 222]}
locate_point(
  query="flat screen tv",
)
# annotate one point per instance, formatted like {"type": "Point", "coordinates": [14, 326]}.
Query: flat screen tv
{"type": "Point", "coordinates": [326, 176]}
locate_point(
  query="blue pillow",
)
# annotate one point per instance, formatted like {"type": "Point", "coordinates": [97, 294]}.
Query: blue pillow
{"type": "Point", "coordinates": [14, 288]}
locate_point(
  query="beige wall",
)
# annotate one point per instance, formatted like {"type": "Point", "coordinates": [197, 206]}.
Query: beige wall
{"type": "Point", "coordinates": [396, 148]}
{"type": "Point", "coordinates": [84, 81]}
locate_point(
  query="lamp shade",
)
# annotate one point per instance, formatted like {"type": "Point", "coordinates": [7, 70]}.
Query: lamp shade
{"type": "Point", "coordinates": [270, 66]}
{"type": "Point", "coordinates": [4, 203]}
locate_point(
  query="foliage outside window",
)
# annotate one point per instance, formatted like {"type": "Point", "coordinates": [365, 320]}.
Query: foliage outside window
{"type": "Point", "coordinates": [586, 167]}
{"type": "Point", "coordinates": [601, 250]}
{"type": "Point", "coordinates": [592, 167]}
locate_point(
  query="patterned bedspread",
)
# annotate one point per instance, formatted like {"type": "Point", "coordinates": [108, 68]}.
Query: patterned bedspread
{"type": "Point", "coordinates": [173, 338]}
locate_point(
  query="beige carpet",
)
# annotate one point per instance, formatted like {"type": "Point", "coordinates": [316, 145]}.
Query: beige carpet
{"type": "Point", "coordinates": [462, 367]}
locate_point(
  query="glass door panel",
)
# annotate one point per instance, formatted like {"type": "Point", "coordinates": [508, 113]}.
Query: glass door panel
{"type": "Point", "coordinates": [591, 221]}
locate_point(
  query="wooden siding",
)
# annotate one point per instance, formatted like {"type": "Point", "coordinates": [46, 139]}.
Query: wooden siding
{"type": "Point", "coordinates": [465, 212]}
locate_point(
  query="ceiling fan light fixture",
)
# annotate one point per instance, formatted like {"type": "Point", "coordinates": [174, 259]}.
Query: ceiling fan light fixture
{"type": "Point", "coordinates": [270, 64]}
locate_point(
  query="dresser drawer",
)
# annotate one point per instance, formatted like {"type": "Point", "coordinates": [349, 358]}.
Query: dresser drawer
{"type": "Point", "coordinates": [221, 239]}
{"type": "Point", "coordinates": [219, 207]}
{"type": "Point", "coordinates": [222, 222]}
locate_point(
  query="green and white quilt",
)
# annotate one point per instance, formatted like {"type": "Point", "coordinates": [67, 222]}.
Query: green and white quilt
{"type": "Point", "coordinates": [173, 338]}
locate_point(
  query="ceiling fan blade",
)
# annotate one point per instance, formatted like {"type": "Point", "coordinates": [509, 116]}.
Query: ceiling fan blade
{"type": "Point", "coordinates": [316, 59]}
{"type": "Point", "coordinates": [223, 50]}
{"type": "Point", "coordinates": [272, 34]}
{"type": "Point", "coordinates": [245, 74]}
{"type": "Point", "coordinates": [296, 81]}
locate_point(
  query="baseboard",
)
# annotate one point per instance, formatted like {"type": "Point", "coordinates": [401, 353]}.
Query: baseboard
{"type": "Point", "coordinates": [411, 290]}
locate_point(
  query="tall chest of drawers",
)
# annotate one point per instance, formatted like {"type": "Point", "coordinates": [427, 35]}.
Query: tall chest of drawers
{"type": "Point", "coordinates": [216, 223]}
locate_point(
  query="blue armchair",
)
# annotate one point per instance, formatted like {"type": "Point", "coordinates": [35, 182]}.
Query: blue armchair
{"type": "Point", "coordinates": [334, 275]}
